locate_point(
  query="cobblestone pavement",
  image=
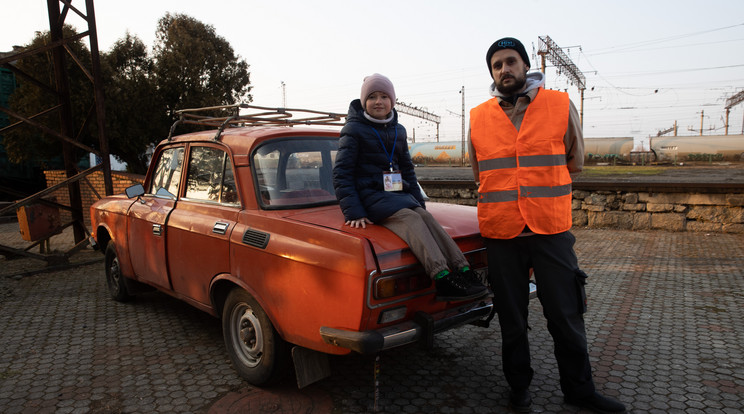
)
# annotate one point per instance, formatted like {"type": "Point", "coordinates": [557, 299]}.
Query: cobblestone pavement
{"type": "Point", "coordinates": [665, 327]}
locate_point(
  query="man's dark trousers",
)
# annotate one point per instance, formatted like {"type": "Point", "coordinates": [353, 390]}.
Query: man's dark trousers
{"type": "Point", "coordinates": [560, 288]}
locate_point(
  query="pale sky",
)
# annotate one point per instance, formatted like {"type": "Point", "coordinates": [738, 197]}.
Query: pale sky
{"type": "Point", "coordinates": [647, 63]}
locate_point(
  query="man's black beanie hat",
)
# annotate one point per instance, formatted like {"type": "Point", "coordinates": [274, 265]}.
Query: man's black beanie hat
{"type": "Point", "coordinates": [507, 43]}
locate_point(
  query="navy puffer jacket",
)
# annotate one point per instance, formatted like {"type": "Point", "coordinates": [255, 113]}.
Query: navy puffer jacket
{"type": "Point", "coordinates": [360, 162]}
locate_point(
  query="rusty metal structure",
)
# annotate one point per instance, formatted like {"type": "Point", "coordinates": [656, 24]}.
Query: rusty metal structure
{"type": "Point", "coordinates": [58, 48]}
{"type": "Point", "coordinates": [549, 50]}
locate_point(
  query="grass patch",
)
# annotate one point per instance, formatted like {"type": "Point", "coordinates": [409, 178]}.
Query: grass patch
{"type": "Point", "coordinates": [605, 170]}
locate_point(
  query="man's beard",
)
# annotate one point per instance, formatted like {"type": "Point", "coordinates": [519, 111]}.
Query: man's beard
{"type": "Point", "coordinates": [513, 88]}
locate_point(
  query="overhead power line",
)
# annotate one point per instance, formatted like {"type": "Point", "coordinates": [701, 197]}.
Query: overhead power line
{"type": "Point", "coordinates": [620, 48]}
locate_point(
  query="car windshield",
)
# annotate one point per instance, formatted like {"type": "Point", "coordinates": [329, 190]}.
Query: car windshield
{"type": "Point", "coordinates": [296, 172]}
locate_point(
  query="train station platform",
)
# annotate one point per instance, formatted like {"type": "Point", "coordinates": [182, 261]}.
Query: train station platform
{"type": "Point", "coordinates": [664, 324]}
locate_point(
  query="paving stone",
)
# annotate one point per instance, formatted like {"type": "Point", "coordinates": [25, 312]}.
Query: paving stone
{"type": "Point", "coordinates": [664, 325]}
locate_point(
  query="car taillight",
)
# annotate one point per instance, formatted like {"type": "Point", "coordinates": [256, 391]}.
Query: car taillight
{"type": "Point", "coordinates": [396, 285]}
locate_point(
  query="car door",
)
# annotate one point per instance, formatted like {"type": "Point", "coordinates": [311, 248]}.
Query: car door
{"type": "Point", "coordinates": [199, 227]}
{"type": "Point", "coordinates": [148, 219]}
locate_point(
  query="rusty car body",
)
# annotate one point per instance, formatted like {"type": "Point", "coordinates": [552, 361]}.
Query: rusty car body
{"type": "Point", "coordinates": [241, 221]}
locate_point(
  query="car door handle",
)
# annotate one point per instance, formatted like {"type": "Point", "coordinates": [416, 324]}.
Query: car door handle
{"type": "Point", "coordinates": [157, 229]}
{"type": "Point", "coordinates": [220, 227]}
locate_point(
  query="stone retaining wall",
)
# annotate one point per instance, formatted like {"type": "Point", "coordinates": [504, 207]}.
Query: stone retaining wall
{"type": "Point", "coordinates": [631, 210]}
{"type": "Point", "coordinates": [591, 209]}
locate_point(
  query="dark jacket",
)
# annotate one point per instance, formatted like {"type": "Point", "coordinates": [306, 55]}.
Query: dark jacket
{"type": "Point", "coordinates": [360, 162]}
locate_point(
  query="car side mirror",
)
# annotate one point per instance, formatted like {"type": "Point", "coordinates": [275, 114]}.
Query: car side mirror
{"type": "Point", "coordinates": [135, 191]}
{"type": "Point", "coordinates": [423, 193]}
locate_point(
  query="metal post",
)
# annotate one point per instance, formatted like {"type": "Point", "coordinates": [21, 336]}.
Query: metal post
{"type": "Point", "coordinates": [65, 118]}
{"type": "Point", "coordinates": [581, 111]}
{"type": "Point", "coordinates": [462, 155]}
{"type": "Point", "coordinates": [99, 99]}
{"type": "Point", "coordinates": [702, 115]}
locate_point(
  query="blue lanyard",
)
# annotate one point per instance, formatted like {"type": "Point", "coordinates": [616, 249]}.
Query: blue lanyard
{"type": "Point", "coordinates": [392, 151]}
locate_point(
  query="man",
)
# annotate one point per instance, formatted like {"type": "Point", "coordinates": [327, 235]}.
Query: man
{"type": "Point", "coordinates": [524, 143]}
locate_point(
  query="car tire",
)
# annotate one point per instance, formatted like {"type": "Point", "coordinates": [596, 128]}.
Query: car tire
{"type": "Point", "coordinates": [255, 348]}
{"type": "Point", "coordinates": [117, 286]}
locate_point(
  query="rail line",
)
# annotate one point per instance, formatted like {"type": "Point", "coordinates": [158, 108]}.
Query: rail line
{"type": "Point", "coordinates": [634, 186]}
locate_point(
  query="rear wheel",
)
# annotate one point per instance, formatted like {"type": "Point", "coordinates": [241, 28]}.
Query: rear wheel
{"type": "Point", "coordinates": [256, 350]}
{"type": "Point", "coordinates": [114, 278]}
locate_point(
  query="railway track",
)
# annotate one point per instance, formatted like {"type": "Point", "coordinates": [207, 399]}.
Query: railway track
{"type": "Point", "coordinates": [628, 186]}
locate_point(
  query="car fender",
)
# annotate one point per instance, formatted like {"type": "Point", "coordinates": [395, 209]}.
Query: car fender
{"type": "Point", "coordinates": [109, 217]}
{"type": "Point", "coordinates": [221, 286]}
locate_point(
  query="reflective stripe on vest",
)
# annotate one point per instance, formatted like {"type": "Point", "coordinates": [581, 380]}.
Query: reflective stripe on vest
{"type": "Point", "coordinates": [524, 161]}
{"type": "Point", "coordinates": [532, 191]}
{"type": "Point", "coordinates": [524, 179]}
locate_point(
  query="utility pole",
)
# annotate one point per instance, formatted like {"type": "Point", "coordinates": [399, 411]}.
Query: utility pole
{"type": "Point", "coordinates": [730, 102]}
{"type": "Point", "coordinates": [284, 95]}
{"type": "Point", "coordinates": [547, 48]}
{"type": "Point", "coordinates": [462, 156]}
{"type": "Point", "coordinates": [702, 116]}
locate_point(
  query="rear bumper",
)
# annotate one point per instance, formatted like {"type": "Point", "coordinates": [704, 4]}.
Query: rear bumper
{"type": "Point", "coordinates": [421, 328]}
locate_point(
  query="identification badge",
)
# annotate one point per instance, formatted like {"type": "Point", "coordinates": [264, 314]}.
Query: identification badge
{"type": "Point", "coordinates": [392, 181]}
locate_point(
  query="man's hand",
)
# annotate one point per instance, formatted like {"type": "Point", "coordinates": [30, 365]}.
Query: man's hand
{"type": "Point", "coordinates": [362, 222]}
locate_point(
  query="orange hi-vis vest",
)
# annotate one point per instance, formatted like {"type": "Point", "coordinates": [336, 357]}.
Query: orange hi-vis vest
{"type": "Point", "coordinates": [523, 176]}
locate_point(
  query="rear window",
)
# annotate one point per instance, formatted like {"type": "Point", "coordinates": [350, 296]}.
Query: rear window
{"type": "Point", "coordinates": [210, 176]}
{"type": "Point", "coordinates": [294, 173]}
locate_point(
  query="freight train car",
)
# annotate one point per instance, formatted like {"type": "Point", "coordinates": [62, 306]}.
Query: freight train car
{"type": "Point", "coordinates": [612, 149]}
{"type": "Point", "coordinates": [708, 148]}
{"type": "Point", "coordinates": [448, 153]}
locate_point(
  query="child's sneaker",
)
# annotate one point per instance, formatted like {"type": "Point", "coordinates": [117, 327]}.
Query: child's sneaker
{"type": "Point", "coordinates": [454, 287]}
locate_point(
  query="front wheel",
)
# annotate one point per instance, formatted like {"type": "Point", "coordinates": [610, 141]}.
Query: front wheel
{"type": "Point", "coordinates": [117, 286]}
{"type": "Point", "coordinates": [256, 350]}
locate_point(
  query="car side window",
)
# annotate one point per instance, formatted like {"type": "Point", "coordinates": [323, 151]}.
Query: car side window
{"type": "Point", "coordinates": [167, 174]}
{"type": "Point", "coordinates": [295, 173]}
{"type": "Point", "coordinates": [210, 176]}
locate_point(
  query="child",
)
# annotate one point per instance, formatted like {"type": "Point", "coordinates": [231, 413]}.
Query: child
{"type": "Point", "coordinates": [375, 183]}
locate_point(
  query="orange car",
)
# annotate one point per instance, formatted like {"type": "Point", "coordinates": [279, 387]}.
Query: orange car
{"type": "Point", "coordinates": [242, 222]}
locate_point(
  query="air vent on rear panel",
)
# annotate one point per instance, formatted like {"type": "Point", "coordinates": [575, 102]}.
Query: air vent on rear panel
{"type": "Point", "coordinates": [256, 238]}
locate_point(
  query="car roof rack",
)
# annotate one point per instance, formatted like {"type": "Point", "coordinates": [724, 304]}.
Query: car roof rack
{"type": "Point", "coordinates": [241, 115]}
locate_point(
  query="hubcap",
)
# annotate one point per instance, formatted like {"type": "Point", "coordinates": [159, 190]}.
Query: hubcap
{"type": "Point", "coordinates": [248, 335]}
{"type": "Point", "coordinates": [114, 275]}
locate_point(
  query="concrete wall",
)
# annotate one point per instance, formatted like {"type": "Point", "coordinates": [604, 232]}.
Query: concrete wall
{"type": "Point", "coordinates": [632, 210]}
